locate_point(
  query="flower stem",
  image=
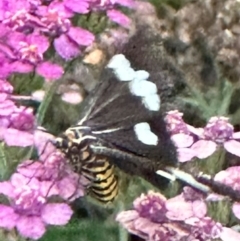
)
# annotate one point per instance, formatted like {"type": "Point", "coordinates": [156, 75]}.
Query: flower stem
{"type": "Point", "coordinates": [47, 100]}
{"type": "Point", "coordinates": [123, 234]}
{"type": "Point", "coordinates": [3, 162]}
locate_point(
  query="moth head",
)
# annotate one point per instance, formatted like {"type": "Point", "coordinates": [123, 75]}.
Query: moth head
{"type": "Point", "coordinates": [66, 140]}
{"type": "Point", "coordinates": [62, 144]}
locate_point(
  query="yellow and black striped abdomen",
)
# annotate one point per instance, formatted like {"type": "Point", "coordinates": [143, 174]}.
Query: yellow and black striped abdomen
{"type": "Point", "coordinates": [104, 183]}
{"type": "Point", "coordinates": [96, 168]}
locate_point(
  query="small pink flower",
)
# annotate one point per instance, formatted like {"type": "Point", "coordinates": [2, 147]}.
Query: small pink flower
{"type": "Point", "coordinates": [182, 135]}
{"type": "Point", "coordinates": [229, 233]}
{"type": "Point", "coordinates": [49, 71]}
{"type": "Point", "coordinates": [22, 119]}
{"type": "Point", "coordinates": [5, 87]}
{"type": "Point", "coordinates": [30, 227]}
{"type": "Point", "coordinates": [119, 17]}
{"type": "Point", "coordinates": [25, 53]}
{"type": "Point", "coordinates": [110, 7]}
{"type": "Point", "coordinates": [74, 38]}
{"type": "Point", "coordinates": [29, 190]}
{"type": "Point", "coordinates": [77, 6]}
{"type": "Point", "coordinates": [29, 210]}
{"type": "Point", "coordinates": [201, 142]}
{"type": "Point", "coordinates": [182, 218]}
{"type": "Point", "coordinates": [14, 137]}
{"type": "Point", "coordinates": [218, 132]}
{"type": "Point", "coordinates": [151, 206]}
{"type": "Point", "coordinates": [8, 217]}
{"type": "Point", "coordinates": [50, 214]}
{"type": "Point", "coordinates": [16, 123]}
{"type": "Point", "coordinates": [186, 205]}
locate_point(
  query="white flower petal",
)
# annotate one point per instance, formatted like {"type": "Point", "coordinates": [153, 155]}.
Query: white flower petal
{"type": "Point", "coordinates": [185, 154]}
{"type": "Point", "coordinates": [233, 147]}
{"type": "Point", "coordinates": [182, 140]}
{"type": "Point", "coordinates": [236, 135]}
{"type": "Point", "coordinates": [228, 234]}
{"type": "Point", "coordinates": [204, 148]}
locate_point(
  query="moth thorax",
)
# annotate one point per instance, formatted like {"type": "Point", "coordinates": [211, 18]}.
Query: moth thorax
{"type": "Point", "coordinates": [71, 143]}
{"type": "Point", "coordinates": [73, 135]}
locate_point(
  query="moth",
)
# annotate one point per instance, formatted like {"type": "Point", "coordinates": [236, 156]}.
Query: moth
{"type": "Point", "coordinates": [121, 125]}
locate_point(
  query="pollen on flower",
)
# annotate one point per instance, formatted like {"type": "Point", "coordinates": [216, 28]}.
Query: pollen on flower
{"type": "Point", "coordinates": [175, 123]}
{"type": "Point", "coordinates": [30, 53]}
{"type": "Point", "coordinates": [218, 129]}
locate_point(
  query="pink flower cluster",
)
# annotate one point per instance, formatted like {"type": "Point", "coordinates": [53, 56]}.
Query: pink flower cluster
{"type": "Point", "coordinates": [202, 142]}
{"type": "Point", "coordinates": [182, 218]}
{"type": "Point", "coordinates": [15, 121]}
{"type": "Point", "coordinates": [39, 190]}
{"type": "Point", "coordinates": [27, 29]}
{"type": "Point", "coordinates": [30, 192]}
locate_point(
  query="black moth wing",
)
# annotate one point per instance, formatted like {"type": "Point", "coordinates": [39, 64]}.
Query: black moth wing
{"type": "Point", "coordinates": [126, 140]}
{"type": "Point", "coordinates": [111, 105]}
{"type": "Point", "coordinates": [111, 114]}
{"type": "Point", "coordinates": [146, 50]}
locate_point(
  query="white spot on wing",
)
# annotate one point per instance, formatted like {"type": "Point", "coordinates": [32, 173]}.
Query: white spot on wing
{"type": "Point", "coordinates": [152, 102]}
{"type": "Point", "coordinates": [124, 74]}
{"type": "Point", "coordinates": [121, 68]}
{"type": "Point", "coordinates": [141, 75]}
{"type": "Point", "coordinates": [144, 134]}
{"type": "Point", "coordinates": [118, 61]}
{"type": "Point", "coordinates": [142, 87]}
{"type": "Point", "coordinates": [138, 83]}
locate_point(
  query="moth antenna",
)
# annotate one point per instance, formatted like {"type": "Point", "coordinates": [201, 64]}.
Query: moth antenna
{"type": "Point", "coordinates": [187, 178]}
{"type": "Point", "coordinates": [201, 182]}
{"type": "Point", "coordinates": [219, 188]}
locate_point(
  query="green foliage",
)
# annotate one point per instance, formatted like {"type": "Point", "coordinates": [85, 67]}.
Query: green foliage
{"type": "Point", "coordinates": [94, 22]}
{"type": "Point", "coordinates": [10, 157]}
{"type": "Point", "coordinates": [177, 4]}
{"type": "Point", "coordinates": [25, 84]}
{"type": "Point", "coordinates": [83, 230]}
